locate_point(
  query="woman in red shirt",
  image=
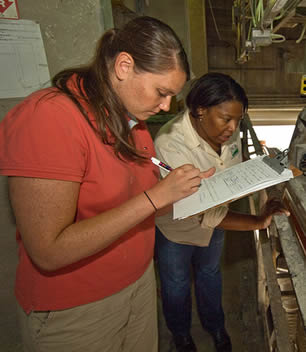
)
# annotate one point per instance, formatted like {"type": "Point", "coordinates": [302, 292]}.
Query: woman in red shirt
{"type": "Point", "coordinates": [85, 193]}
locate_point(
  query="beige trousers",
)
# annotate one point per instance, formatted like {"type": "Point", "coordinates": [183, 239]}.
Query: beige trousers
{"type": "Point", "coordinates": [125, 321]}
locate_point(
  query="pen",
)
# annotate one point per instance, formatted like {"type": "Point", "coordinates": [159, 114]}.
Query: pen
{"type": "Point", "coordinates": [161, 165]}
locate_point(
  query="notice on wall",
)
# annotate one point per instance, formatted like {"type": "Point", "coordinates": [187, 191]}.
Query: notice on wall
{"type": "Point", "coordinates": [9, 9]}
{"type": "Point", "coordinates": [23, 62]}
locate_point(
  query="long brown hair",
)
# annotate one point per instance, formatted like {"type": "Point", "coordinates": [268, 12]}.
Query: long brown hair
{"type": "Point", "coordinates": [154, 47]}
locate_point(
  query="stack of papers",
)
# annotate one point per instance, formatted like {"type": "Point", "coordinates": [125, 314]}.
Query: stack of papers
{"type": "Point", "coordinates": [230, 184]}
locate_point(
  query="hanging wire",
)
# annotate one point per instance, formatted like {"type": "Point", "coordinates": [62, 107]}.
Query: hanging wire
{"type": "Point", "coordinates": [277, 38]}
{"type": "Point", "coordinates": [259, 13]}
{"type": "Point", "coordinates": [302, 34]}
{"type": "Point", "coordinates": [140, 7]}
{"type": "Point", "coordinates": [291, 5]}
{"type": "Point", "coordinates": [281, 15]}
{"type": "Point", "coordinates": [253, 12]}
{"type": "Point", "coordinates": [250, 31]}
{"type": "Point", "coordinates": [214, 19]}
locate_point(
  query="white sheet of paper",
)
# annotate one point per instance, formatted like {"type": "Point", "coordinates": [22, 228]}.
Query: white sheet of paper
{"type": "Point", "coordinates": [23, 62]}
{"type": "Point", "coordinates": [230, 184]}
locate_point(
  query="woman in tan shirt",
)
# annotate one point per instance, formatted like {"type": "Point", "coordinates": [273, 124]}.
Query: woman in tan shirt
{"type": "Point", "coordinates": [205, 135]}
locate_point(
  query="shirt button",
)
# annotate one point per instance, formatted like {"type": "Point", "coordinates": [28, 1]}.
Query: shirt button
{"type": "Point", "coordinates": [221, 164]}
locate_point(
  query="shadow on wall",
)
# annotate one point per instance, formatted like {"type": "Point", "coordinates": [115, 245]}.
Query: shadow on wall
{"type": "Point", "coordinates": [6, 213]}
{"type": "Point", "coordinates": [9, 336]}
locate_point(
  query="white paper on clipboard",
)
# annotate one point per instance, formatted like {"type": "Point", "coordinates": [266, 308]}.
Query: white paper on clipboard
{"type": "Point", "coordinates": [230, 184]}
{"type": "Point", "coordinates": [23, 62]}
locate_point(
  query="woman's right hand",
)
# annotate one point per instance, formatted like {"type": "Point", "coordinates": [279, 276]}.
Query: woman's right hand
{"type": "Point", "coordinates": [179, 183]}
{"type": "Point", "coordinates": [272, 207]}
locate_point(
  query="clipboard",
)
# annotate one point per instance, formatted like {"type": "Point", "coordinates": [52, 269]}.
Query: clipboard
{"type": "Point", "coordinates": [280, 161]}
{"type": "Point", "coordinates": [236, 182]}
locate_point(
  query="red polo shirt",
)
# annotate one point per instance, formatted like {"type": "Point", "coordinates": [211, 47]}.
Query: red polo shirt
{"type": "Point", "coordinates": [47, 137]}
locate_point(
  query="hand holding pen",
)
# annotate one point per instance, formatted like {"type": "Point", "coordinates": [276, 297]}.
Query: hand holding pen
{"type": "Point", "coordinates": [179, 183]}
{"type": "Point", "coordinates": [168, 168]}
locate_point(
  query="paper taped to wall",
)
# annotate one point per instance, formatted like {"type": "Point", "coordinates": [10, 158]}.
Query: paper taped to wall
{"type": "Point", "coordinates": [23, 62]}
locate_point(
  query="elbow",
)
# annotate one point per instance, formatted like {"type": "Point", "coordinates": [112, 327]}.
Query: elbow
{"type": "Point", "coordinates": [48, 268]}
{"type": "Point", "coordinates": [46, 264]}
{"type": "Point", "coordinates": [46, 257]}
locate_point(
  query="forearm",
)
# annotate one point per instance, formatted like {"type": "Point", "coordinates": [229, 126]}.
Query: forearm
{"type": "Point", "coordinates": [45, 211]}
{"type": "Point", "coordinates": [88, 237]}
{"type": "Point", "coordinates": [240, 222]}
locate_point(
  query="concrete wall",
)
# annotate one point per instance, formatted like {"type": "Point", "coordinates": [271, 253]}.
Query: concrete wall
{"type": "Point", "coordinates": [70, 30]}
{"type": "Point", "coordinates": [172, 12]}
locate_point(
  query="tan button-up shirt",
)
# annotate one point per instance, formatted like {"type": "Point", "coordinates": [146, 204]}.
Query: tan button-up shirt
{"type": "Point", "coordinates": [177, 143]}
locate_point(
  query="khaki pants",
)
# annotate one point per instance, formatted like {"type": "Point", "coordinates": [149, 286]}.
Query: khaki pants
{"type": "Point", "coordinates": [125, 321]}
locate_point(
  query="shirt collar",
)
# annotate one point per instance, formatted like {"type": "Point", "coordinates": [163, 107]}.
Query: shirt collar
{"type": "Point", "coordinates": [191, 138]}
{"type": "Point", "coordinates": [132, 121]}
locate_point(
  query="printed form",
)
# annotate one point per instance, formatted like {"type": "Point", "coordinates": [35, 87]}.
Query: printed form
{"type": "Point", "coordinates": [23, 62]}
{"type": "Point", "coordinates": [228, 185]}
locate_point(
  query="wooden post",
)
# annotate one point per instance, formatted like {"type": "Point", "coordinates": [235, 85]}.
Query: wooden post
{"type": "Point", "coordinates": [196, 22]}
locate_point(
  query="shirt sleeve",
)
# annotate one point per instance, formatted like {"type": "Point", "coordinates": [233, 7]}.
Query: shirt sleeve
{"type": "Point", "coordinates": [42, 137]}
{"type": "Point", "coordinates": [213, 217]}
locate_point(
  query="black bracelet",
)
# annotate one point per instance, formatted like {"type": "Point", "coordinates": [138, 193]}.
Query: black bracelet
{"type": "Point", "coordinates": [150, 200]}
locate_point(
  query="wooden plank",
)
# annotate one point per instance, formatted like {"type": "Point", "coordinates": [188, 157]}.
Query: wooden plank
{"type": "Point", "coordinates": [295, 260]}
{"type": "Point", "coordinates": [263, 299]}
{"type": "Point", "coordinates": [280, 323]}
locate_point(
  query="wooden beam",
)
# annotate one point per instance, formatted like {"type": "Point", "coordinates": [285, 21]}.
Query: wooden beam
{"type": "Point", "coordinates": [196, 20]}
